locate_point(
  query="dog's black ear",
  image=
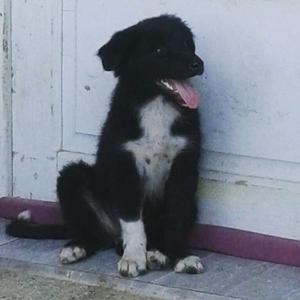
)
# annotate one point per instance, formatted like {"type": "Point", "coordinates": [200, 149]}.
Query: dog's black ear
{"type": "Point", "coordinates": [113, 52]}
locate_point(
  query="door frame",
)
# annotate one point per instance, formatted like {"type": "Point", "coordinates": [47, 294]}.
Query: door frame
{"type": "Point", "coordinates": [6, 176]}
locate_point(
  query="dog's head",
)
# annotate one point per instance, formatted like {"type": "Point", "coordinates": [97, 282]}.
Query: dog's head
{"type": "Point", "coordinates": [158, 50]}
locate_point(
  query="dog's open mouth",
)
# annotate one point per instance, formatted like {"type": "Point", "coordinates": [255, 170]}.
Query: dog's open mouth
{"type": "Point", "coordinates": [183, 91]}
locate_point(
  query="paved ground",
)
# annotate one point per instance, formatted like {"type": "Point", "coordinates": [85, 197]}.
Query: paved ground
{"type": "Point", "coordinates": [21, 286]}
{"type": "Point", "coordinates": [226, 277]}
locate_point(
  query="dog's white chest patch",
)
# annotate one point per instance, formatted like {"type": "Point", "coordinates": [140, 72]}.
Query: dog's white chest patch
{"type": "Point", "coordinates": [155, 151]}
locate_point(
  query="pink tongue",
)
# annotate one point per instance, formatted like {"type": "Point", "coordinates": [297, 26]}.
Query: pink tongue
{"type": "Point", "coordinates": [187, 93]}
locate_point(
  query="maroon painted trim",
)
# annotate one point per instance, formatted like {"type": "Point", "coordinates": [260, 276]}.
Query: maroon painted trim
{"type": "Point", "coordinates": [246, 244]}
{"type": "Point", "coordinates": [41, 211]}
{"type": "Point", "coordinates": [215, 238]}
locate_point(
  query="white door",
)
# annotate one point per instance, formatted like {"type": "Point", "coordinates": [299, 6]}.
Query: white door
{"type": "Point", "coordinates": [250, 95]}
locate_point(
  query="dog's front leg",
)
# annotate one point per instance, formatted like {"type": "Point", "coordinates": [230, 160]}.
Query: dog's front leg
{"type": "Point", "coordinates": [127, 195]}
{"type": "Point", "coordinates": [133, 261]}
{"type": "Point", "coordinates": [180, 197]}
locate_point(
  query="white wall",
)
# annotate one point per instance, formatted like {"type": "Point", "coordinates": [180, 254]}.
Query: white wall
{"type": "Point", "coordinates": [5, 102]}
{"type": "Point", "coordinates": [36, 97]}
{"type": "Point", "coordinates": [249, 99]}
{"type": "Point", "coordinates": [249, 91]}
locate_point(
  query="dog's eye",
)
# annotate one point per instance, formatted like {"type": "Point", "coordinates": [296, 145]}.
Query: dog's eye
{"type": "Point", "coordinates": [160, 51]}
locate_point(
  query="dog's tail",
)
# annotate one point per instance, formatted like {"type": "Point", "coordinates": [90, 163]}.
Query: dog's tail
{"type": "Point", "coordinates": [22, 227]}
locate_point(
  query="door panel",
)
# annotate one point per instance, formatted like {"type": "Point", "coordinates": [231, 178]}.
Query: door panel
{"type": "Point", "coordinates": [247, 113]}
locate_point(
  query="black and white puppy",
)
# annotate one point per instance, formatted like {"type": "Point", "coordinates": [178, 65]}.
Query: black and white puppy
{"type": "Point", "coordinates": [141, 191]}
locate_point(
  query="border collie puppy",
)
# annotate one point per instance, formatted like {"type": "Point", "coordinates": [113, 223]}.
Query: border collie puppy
{"type": "Point", "coordinates": [141, 191]}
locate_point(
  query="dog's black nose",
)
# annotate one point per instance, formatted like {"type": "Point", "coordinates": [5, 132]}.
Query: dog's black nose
{"type": "Point", "coordinates": [196, 66]}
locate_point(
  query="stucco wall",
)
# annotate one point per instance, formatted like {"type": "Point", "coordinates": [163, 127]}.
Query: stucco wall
{"type": "Point", "coordinates": [249, 99]}
{"type": "Point", "coordinates": [5, 102]}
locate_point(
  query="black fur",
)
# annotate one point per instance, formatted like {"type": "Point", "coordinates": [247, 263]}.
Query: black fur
{"type": "Point", "coordinates": [113, 182]}
{"type": "Point", "coordinates": [22, 228]}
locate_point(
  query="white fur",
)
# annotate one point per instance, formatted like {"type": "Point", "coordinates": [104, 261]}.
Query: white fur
{"type": "Point", "coordinates": [133, 261]}
{"type": "Point", "coordinates": [71, 254]}
{"type": "Point", "coordinates": [156, 150]}
{"type": "Point", "coordinates": [156, 260]}
{"type": "Point", "coordinates": [189, 264]}
{"type": "Point", "coordinates": [24, 215]}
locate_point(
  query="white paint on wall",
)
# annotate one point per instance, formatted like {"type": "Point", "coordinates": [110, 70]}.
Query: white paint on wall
{"type": "Point", "coordinates": [36, 60]}
{"type": "Point", "coordinates": [249, 99]}
{"type": "Point", "coordinates": [5, 101]}
{"type": "Point", "coordinates": [249, 90]}
{"type": "Point", "coordinates": [258, 209]}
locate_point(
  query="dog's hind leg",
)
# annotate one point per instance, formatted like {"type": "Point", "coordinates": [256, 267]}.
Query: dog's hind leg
{"type": "Point", "coordinates": [77, 250]}
{"type": "Point", "coordinates": [91, 226]}
{"type": "Point", "coordinates": [83, 247]}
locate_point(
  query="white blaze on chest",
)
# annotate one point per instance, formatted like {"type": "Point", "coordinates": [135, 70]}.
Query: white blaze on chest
{"type": "Point", "coordinates": [155, 151]}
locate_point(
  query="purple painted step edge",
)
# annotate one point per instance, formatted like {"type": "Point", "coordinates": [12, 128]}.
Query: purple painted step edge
{"type": "Point", "coordinates": [214, 238]}
{"type": "Point", "coordinates": [45, 212]}
{"type": "Point", "coordinates": [246, 244]}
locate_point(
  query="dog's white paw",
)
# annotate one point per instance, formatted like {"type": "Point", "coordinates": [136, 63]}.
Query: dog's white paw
{"type": "Point", "coordinates": [156, 260]}
{"type": "Point", "coordinates": [71, 254]}
{"type": "Point", "coordinates": [130, 267]}
{"type": "Point", "coordinates": [24, 215]}
{"type": "Point", "coordinates": [190, 264]}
